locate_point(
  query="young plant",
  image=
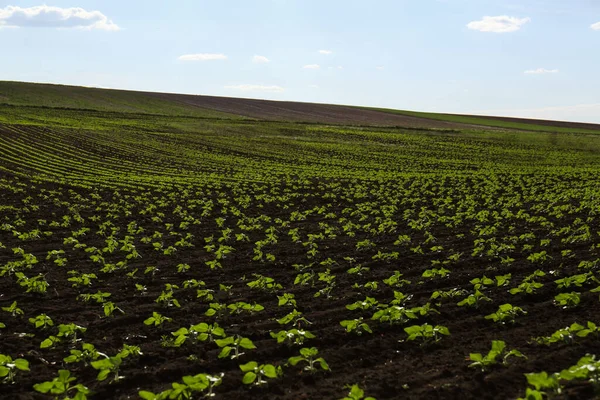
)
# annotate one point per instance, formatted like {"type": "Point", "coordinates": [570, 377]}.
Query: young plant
{"type": "Point", "coordinates": [234, 344]}
{"type": "Point", "coordinates": [41, 321]}
{"type": "Point", "coordinates": [356, 325]}
{"type": "Point", "coordinates": [567, 300]}
{"type": "Point", "coordinates": [256, 374]}
{"type": "Point", "coordinates": [506, 314]}
{"type": "Point", "coordinates": [287, 299]}
{"type": "Point", "coordinates": [87, 354]}
{"type": "Point", "coordinates": [426, 333]}
{"type": "Point", "coordinates": [204, 331]}
{"type": "Point", "coordinates": [192, 385]}
{"type": "Point", "coordinates": [9, 368]}
{"type": "Point", "coordinates": [309, 356]}
{"type": "Point", "coordinates": [295, 318]}
{"type": "Point", "coordinates": [356, 393]}
{"type": "Point", "coordinates": [13, 309]}
{"type": "Point", "coordinates": [63, 385]}
{"type": "Point", "coordinates": [108, 366]}
{"type": "Point", "coordinates": [156, 319]}
{"type": "Point", "coordinates": [491, 358]}
{"type": "Point", "coordinates": [473, 300]}
{"type": "Point", "coordinates": [435, 273]}
{"type": "Point", "coordinates": [292, 336]}
{"type": "Point", "coordinates": [109, 308]}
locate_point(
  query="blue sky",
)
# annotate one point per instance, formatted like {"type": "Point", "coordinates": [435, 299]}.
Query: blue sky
{"type": "Point", "coordinates": [534, 58]}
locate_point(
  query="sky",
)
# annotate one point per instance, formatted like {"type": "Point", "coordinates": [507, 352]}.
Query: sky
{"type": "Point", "coordinates": [527, 58]}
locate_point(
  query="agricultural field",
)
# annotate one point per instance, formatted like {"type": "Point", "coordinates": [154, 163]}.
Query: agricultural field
{"type": "Point", "coordinates": [195, 253]}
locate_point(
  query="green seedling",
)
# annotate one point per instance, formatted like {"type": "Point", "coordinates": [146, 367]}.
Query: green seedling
{"type": "Point", "coordinates": [13, 310]}
{"type": "Point", "coordinates": [309, 356]}
{"type": "Point", "coordinates": [356, 326]}
{"type": "Point", "coordinates": [109, 308]}
{"type": "Point", "coordinates": [356, 393]}
{"type": "Point", "coordinates": [234, 344]}
{"type": "Point", "coordinates": [108, 366]}
{"type": "Point", "coordinates": [192, 385]}
{"type": "Point", "coordinates": [567, 300]}
{"type": "Point", "coordinates": [365, 304]}
{"type": "Point", "coordinates": [255, 374]}
{"type": "Point", "coordinates": [41, 321]}
{"type": "Point", "coordinates": [87, 354]}
{"type": "Point", "coordinates": [287, 299]}
{"type": "Point", "coordinates": [295, 318]}
{"type": "Point", "coordinates": [473, 300]}
{"type": "Point", "coordinates": [205, 332]}
{"type": "Point", "coordinates": [63, 385]}
{"type": "Point", "coordinates": [292, 336]}
{"type": "Point", "coordinates": [491, 359]}
{"type": "Point", "coordinates": [426, 334]}
{"type": "Point", "coordinates": [9, 368]}
{"type": "Point", "coordinates": [156, 319]}
{"type": "Point", "coordinates": [506, 314]}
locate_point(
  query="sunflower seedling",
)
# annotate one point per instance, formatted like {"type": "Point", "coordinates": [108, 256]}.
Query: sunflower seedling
{"type": "Point", "coordinates": [292, 336]}
{"type": "Point", "coordinates": [356, 325]}
{"type": "Point", "coordinates": [356, 393]}
{"type": "Point", "coordinates": [9, 368]}
{"type": "Point", "coordinates": [234, 343]}
{"type": "Point", "coordinates": [506, 314]}
{"type": "Point", "coordinates": [309, 356]}
{"type": "Point", "coordinates": [256, 374]}
{"type": "Point", "coordinates": [498, 351]}
{"type": "Point", "coordinates": [62, 385]}
{"type": "Point", "coordinates": [426, 333]}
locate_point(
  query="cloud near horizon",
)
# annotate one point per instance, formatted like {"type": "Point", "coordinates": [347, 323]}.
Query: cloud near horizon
{"type": "Point", "coordinates": [596, 26]}
{"type": "Point", "coordinates": [54, 17]}
{"type": "Point", "coordinates": [256, 88]}
{"type": "Point", "coordinates": [202, 57]}
{"type": "Point", "coordinates": [312, 66]}
{"type": "Point", "coordinates": [541, 71]}
{"type": "Point", "coordinates": [498, 24]}
{"type": "Point", "coordinates": [260, 60]}
{"type": "Point", "coordinates": [325, 52]}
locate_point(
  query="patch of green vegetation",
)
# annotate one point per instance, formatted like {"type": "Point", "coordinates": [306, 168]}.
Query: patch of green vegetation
{"type": "Point", "coordinates": [85, 98]}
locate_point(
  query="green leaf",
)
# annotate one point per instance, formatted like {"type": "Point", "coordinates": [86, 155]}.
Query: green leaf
{"type": "Point", "coordinates": [247, 343]}
{"type": "Point", "coordinates": [270, 371]}
{"type": "Point", "coordinates": [43, 387]}
{"type": "Point", "coordinates": [251, 366]}
{"type": "Point", "coordinates": [295, 360]}
{"type": "Point", "coordinates": [22, 364]}
{"type": "Point", "coordinates": [477, 357]}
{"type": "Point", "coordinates": [3, 371]}
{"type": "Point", "coordinates": [225, 352]}
{"type": "Point", "coordinates": [103, 374]}
{"type": "Point", "coordinates": [323, 363]}
{"type": "Point", "coordinates": [249, 377]}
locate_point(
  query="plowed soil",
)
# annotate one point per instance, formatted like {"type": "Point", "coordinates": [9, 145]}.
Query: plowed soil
{"type": "Point", "coordinates": [382, 363]}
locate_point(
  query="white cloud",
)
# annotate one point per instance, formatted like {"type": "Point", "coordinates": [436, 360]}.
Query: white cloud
{"type": "Point", "coordinates": [312, 66]}
{"type": "Point", "coordinates": [596, 26]}
{"type": "Point", "coordinates": [499, 24]}
{"type": "Point", "coordinates": [541, 71]}
{"type": "Point", "coordinates": [313, 86]}
{"type": "Point", "coordinates": [380, 67]}
{"type": "Point", "coordinates": [325, 52]}
{"type": "Point", "coordinates": [256, 88]}
{"type": "Point", "coordinates": [260, 60]}
{"type": "Point", "coordinates": [54, 17]}
{"type": "Point", "coordinates": [202, 57]}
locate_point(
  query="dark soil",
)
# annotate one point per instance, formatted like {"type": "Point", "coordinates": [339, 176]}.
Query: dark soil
{"type": "Point", "coordinates": [384, 365]}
